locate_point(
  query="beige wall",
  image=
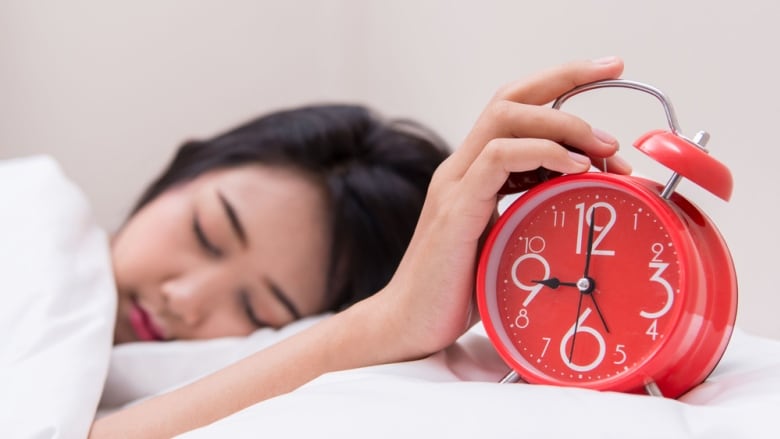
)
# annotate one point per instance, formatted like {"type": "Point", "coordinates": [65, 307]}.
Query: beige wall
{"type": "Point", "coordinates": [110, 88]}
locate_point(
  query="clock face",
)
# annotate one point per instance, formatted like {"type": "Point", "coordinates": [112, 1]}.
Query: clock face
{"type": "Point", "coordinates": [580, 283]}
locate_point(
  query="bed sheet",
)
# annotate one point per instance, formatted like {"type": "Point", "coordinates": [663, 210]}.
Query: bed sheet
{"type": "Point", "coordinates": [455, 394]}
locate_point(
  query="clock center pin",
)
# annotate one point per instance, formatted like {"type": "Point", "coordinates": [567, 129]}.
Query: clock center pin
{"type": "Point", "coordinates": [586, 285]}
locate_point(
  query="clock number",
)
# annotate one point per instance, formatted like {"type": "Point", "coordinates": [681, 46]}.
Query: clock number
{"type": "Point", "coordinates": [660, 267]}
{"type": "Point", "coordinates": [536, 287]}
{"type": "Point", "coordinates": [546, 345]}
{"type": "Point", "coordinates": [619, 350]}
{"type": "Point", "coordinates": [580, 327]}
{"type": "Point", "coordinates": [533, 244]}
{"type": "Point", "coordinates": [584, 217]}
{"type": "Point", "coordinates": [522, 320]}
{"type": "Point", "coordinates": [657, 249]}
{"type": "Point", "coordinates": [652, 331]}
{"type": "Point", "coordinates": [559, 215]}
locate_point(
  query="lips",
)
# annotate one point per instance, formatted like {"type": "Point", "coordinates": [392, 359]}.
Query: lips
{"type": "Point", "coordinates": [142, 324]}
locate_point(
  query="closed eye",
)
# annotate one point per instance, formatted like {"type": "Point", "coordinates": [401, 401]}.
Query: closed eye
{"type": "Point", "coordinates": [203, 240]}
{"type": "Point", "coordinates": [250, 312]}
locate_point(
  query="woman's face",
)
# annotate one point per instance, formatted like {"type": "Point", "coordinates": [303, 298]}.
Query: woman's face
{"type": "Point", "coordinates": [222, 255]}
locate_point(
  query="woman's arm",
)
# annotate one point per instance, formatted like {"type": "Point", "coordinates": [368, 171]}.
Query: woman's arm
{"type": "Point", "coordinates": [356, 337]}
{"type": "Point", "coordinates": [428, 303]}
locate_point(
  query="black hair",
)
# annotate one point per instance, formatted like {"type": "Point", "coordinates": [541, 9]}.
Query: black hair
{"type": "Point", "coordinates": [374, 172]}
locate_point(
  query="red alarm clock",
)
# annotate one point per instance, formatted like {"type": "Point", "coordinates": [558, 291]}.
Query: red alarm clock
{"type": "Point", "coordinates": [612, 282]}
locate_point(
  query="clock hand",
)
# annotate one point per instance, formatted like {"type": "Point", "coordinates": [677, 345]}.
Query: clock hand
{"type": "Point", "coordinates": [589, 248]}
{"type": "Point", "coordinates": [554, 283]}
{"type": "Point", "coordinates": [598, 311]}
{"type": "Point", "coordinates": [576, 327]}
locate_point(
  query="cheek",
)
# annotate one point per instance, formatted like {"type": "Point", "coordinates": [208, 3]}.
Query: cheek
{"type": "Point", "coordinates": [132, 256]}
{"type": "Point", "coordinates": [147, 246]}
{"type": "Point", "coordinates": [311, 270]}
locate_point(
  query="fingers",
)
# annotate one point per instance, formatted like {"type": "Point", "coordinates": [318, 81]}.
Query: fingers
{"type": "Point", "coordinates": [501, 157]}
{"type": "Point", "coordinates": [547, 85]}
{"type": "Point", "coordinates": [515, 112]}
{"type": "Point", "coordinates": [521, 120]}
{"type": "Point", "coordinates": [505, 119]}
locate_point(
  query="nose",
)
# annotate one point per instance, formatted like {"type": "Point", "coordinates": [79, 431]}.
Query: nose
{"type": "Point", "coordinates": [192, 296]}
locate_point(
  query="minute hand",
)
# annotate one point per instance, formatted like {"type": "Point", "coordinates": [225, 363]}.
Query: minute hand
{"type": "Point", "coordinates": [589, 248]}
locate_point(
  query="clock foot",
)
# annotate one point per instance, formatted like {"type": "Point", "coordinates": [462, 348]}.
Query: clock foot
{"type": "Point", "coordinates": [511, 377]}
{"type": "Point", "coordinates": [652, 389]}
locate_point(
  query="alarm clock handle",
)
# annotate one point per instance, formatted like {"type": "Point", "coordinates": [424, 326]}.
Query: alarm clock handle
{"type": "Point", "coordinates": [671, 116]}
{"type": "Point", "coordinates": [686, 158]}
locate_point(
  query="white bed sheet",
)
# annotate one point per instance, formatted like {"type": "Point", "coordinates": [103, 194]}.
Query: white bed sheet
{"type": "Point", "coordinates": [455, 394]}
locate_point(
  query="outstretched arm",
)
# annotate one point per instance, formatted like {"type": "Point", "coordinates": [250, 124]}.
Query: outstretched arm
{"type": "Point", "coordinates": [428, 303]}
{"type": "Point", "coordinates": [353, 338]}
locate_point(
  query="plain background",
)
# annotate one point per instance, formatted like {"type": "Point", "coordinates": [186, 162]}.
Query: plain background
{"type": "Point", "coordinates": [111, 88]}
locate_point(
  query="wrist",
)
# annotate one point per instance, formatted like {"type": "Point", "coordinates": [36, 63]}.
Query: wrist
{"type": "Point", "coordinates": [368, 333]}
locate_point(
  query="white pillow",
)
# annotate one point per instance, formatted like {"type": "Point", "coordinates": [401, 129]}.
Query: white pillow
{"type": "Point", "coordinates": [58, 303]}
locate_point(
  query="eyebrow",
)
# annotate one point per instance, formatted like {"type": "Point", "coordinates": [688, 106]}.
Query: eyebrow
{"type": "Point", "coordinates": [235, 223]}
{"type": "Point", "coordinates": [283, 298]}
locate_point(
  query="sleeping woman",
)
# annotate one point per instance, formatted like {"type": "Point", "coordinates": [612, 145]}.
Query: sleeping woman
{"type": "Point", "coordinates": [292, 214]}
{"type": "Point", "coordinates": [327, 208]}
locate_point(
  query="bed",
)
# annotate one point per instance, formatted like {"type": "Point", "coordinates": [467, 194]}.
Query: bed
{"type": "Point", "coordinates": [58, 369]}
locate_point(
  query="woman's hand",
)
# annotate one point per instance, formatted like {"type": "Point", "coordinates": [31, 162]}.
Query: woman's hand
{"type": "Point", "coordinates": [430, 296]}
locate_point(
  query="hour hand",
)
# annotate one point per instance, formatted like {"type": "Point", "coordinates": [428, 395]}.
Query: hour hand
{"type": "Point", "coordinates": [554, 283]}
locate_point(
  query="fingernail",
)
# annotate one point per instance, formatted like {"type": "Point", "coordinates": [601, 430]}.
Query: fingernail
{"type": "Point", "coordinates": [579, 158]}
{"type": "Point", "coordinates": [605, 137]}
{"type": "Point", "coordinates": [604, 60]}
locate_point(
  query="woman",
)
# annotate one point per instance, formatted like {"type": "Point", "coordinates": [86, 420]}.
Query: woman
{"type": "Point", "coordinates": [427, 304]}
{"type": "Point", "coordinates": [292, 214]}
